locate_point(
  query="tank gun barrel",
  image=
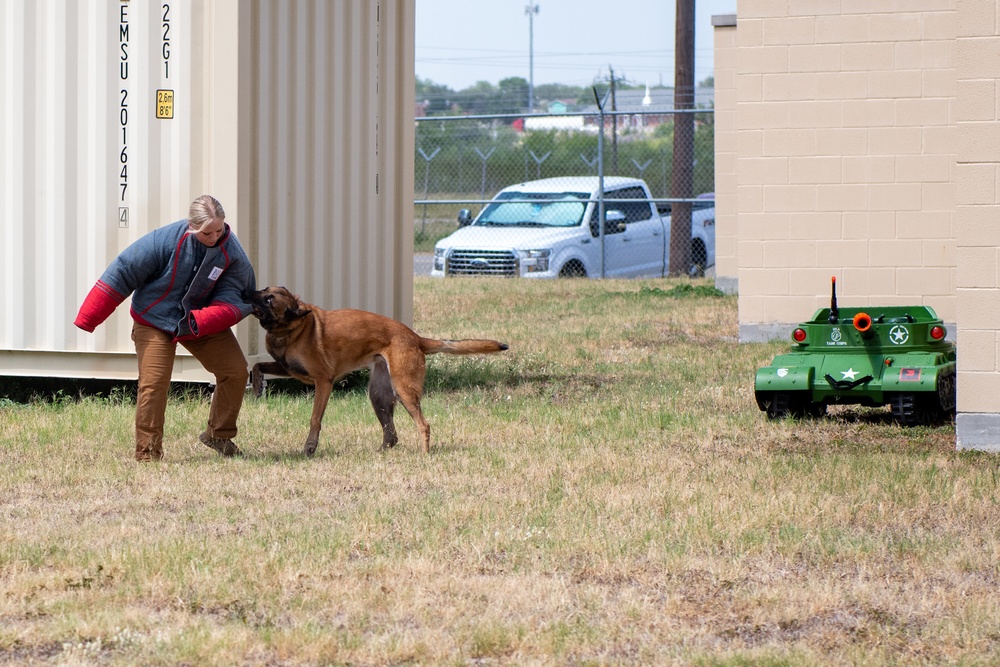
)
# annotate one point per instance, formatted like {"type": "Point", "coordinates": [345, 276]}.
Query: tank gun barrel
{"type": "Point", "coordinates": [863, 323]}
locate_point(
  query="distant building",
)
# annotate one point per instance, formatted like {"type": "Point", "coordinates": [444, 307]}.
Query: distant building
{"type": "Point", "coordinates": [645, 103]}
{"type": "Point", "coordinates": [559, 122]}
{"type": "Point", "coordinates": [649, 107]}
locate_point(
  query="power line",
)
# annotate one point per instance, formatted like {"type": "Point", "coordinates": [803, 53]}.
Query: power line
{"type": "Point", "coordinates": [650, 53]}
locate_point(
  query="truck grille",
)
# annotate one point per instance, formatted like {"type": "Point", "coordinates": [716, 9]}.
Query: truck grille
{"type": "Point", "coordinates": [482, 263]}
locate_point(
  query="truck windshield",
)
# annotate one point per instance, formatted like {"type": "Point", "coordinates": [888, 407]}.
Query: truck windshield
{"type": "Point", "coordinates": [546, 209]}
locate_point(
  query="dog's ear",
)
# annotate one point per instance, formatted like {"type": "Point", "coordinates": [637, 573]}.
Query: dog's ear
{"type": "Point", "coordinates": [295, 313]}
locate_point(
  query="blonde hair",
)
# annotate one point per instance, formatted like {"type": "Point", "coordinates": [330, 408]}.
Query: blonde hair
{"type": "Point", "coordinates": [204, 210]}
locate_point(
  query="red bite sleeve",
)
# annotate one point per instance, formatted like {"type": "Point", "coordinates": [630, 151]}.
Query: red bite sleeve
{"type": "Point", "coordinates": [98, 306]}
{"type": "Point", "coordinates": [216, 318]}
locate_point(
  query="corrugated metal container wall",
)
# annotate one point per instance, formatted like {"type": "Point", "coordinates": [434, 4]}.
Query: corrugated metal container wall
{"type": "Point", "coordinates": [116, 114]}
{"type": "Point", "coordinates": [331, 93]}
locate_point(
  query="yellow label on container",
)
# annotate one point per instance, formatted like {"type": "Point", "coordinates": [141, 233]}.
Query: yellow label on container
{"type": "Point", "coordinates": [165, 104]}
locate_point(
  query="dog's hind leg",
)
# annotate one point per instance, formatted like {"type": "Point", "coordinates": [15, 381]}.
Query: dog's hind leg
{"type": "Point", "coordinates": [412, 404]}
{"type": "Point", "coordinates": [324, 387]}
{"type": "Point", "coordinates": [383, 400]}
{"type": "Point", "coordinates": [408, 381]}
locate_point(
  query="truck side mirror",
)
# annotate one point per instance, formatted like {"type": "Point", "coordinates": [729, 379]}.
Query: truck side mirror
{"type": "Point", "coordinates": [464, 217]}
{"type": "Point", "coordinates": [615, 222]}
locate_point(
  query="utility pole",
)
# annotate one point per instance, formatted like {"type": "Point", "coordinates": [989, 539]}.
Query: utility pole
{"type": "Point", "coordinates": [531, 9]}
{"type": "Point", "coordinates": [683, 162]}
{"type": "Point", "coordinates": [614, 124]}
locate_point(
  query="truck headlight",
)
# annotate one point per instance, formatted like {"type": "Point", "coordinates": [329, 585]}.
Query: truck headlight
{"type": "Point", "coordinates": [439, 254]}
{"type": "Point", "coordinates": [537, 261]}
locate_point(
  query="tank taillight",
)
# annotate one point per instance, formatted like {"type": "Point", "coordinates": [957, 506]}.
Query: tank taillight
{"type": "Point", "coordinates": [938, 332]}
{"type": "Point", "coordinates": [799, 335]}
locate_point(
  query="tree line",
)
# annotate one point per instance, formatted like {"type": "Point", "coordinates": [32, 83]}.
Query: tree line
{"type": "Point", "coordinates": [509, 96]}
{"type": "Point", "coordinates": [473, 157]}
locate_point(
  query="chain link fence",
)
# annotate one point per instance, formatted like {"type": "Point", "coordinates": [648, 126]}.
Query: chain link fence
{"type": "Point", "coordinates": [463, 162]}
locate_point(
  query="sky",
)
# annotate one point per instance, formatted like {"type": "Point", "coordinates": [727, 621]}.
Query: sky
{"type": "Point", "coordinates": [460, 42]}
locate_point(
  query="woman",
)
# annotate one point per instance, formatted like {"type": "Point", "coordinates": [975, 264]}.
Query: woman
{"type": "Point", "coordinates": [187, 280]}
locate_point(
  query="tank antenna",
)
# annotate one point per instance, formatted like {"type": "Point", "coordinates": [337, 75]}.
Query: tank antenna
{"type": "Point", "coordinates": [834, 311]}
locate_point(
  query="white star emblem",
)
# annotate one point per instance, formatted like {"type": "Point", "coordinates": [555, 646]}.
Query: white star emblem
{"type": "Point", "coordinates": [849, 374]}
{"type": "Point", "coordinates": [898, 335]}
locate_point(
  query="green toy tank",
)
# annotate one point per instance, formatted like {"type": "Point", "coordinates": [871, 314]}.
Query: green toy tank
{"type": "Point", "coordinates": [893, 355]}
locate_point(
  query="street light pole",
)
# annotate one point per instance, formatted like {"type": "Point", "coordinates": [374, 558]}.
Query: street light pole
{"type": "Point", "coordinates": [531, 9]}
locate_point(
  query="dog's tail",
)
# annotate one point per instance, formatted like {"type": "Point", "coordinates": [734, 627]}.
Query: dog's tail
{"type": "Point", "coordinates": [467, 346]}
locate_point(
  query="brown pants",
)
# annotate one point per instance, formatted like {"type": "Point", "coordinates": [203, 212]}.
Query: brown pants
{"type": "Point", "coordinates": [220, 354]}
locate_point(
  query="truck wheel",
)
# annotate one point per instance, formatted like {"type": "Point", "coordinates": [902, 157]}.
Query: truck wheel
{"type": "Point", "coordinates": [573, 269]}
{"type": "Point", "coordinates": [699, 258]}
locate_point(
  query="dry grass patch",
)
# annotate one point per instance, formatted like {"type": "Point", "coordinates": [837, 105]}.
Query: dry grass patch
{"type": "Point", "coordinates": [607, 492]}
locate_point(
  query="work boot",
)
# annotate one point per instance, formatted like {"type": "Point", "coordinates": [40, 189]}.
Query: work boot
{"type": "Point", "coordinates": [224, 446]}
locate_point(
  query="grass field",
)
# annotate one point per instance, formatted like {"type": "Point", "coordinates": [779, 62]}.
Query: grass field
{"type": "Point", "coordinates": [604, 493]}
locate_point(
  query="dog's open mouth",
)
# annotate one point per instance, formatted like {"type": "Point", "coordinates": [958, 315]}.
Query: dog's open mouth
{"type": "Point", "coordinates": [251, 298]}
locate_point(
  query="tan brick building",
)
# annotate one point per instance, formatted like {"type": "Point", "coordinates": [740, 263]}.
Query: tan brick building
{"type": "Point", "coordinates": [861, 139]}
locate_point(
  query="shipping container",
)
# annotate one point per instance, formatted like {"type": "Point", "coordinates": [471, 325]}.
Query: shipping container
{"type": "Point", "coordinates": [116, 114]}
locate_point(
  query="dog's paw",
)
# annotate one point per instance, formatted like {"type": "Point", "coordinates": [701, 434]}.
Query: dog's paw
{"type": "Point", "coordinates": [257, 381]}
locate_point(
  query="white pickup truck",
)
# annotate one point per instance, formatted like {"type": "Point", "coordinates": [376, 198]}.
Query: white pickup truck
{"type": "Point", "coordinates": [549, 228]}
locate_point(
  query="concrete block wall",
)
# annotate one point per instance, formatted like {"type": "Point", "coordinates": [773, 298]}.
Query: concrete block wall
{"type": "Point", "coordinates": [845, 158]}
{"type": "Point", "coordinates": [726, 266]}
{"type": "Point", "coordinates": [977, 58]}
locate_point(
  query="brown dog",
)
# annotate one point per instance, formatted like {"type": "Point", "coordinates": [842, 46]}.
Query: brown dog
{"type": "Point", "coordinates": [320, 346]}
